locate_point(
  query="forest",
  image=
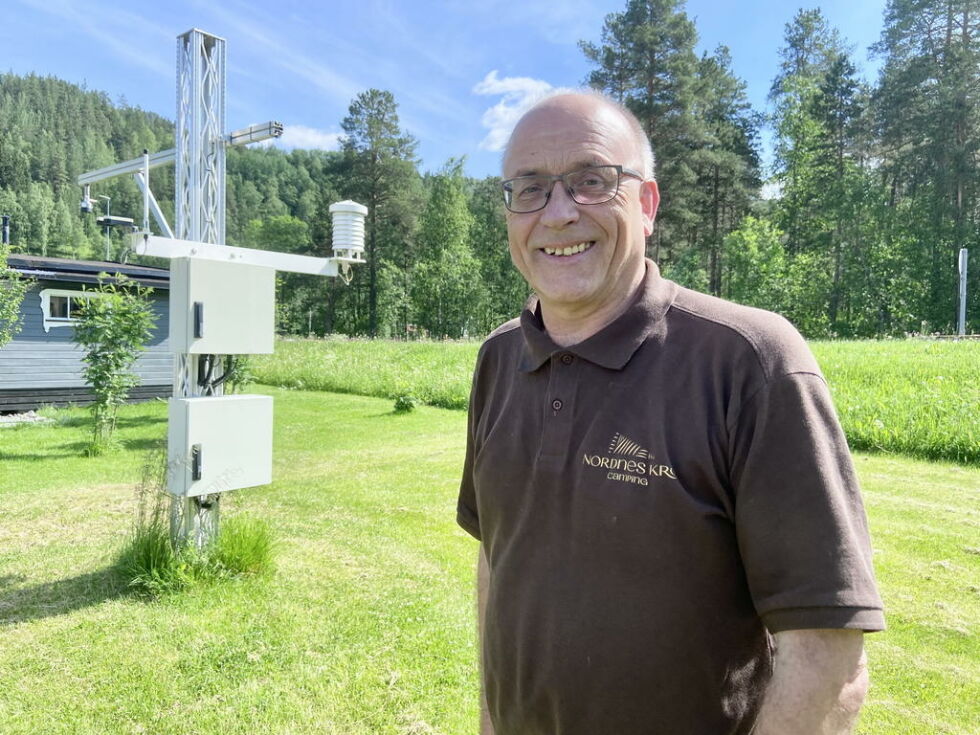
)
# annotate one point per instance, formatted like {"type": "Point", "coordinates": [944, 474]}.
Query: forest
{"type": "Point", "coordinates": [854, 232]}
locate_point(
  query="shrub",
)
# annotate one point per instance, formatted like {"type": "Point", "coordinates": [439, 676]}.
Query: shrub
{"type": "Point", "coordinates": [114, 325]}
{"type": "Point", "coordinates": [12, 290]}
{"type": "Point", "coordinates": [404, 404]}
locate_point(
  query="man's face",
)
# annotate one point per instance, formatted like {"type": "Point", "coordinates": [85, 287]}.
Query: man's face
{"type": "Point", "coordinates": [605, 241]}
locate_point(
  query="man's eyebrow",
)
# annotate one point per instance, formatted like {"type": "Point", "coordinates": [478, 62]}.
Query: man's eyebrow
{"type": "Point", "coordinates": [584, 163]}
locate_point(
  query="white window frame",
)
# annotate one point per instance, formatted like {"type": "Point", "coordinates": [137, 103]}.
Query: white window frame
{"type": "Point", "coordinates": [54, 321]}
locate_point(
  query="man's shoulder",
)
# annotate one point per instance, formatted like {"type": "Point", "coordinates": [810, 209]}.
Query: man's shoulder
{"type": "Point", "coordinates": [498, 358]}
{"type": "Point", "coordinates": [772, 341]}
{"type": "Point", "coordinates": [504, 338]}
{"type": "Point", "coordinates": [505, 328]}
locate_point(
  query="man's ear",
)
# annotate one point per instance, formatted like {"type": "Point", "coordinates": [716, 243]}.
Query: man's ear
{"type": "Point", "coordinates": [649, 201]}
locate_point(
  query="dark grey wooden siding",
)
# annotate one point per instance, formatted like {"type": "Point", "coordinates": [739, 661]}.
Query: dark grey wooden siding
{"type": "Point", "coordinates": [36, 359]}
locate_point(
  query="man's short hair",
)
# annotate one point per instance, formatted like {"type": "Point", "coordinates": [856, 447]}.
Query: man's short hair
{"type": "Point", "coordinates": [640, 139]}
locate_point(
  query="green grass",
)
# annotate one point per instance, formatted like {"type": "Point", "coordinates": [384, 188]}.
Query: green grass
{"type": "Point", "coordinates": [149, 562]}
{"type": "Point", "coordinates": [914, 397]}
{"type": "Point", "coordinates": [367, 624]}
{"type": "Point", "coordinates": [925, 526]}
{"type": "Point", "coordinates": [435, 373]}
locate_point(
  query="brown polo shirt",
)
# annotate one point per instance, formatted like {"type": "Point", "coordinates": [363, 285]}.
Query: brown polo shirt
{"type": "Point", "coordinates": [653, 502]}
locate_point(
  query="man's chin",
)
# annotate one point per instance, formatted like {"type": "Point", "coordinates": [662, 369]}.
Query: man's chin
{"type": "Point", "coordinates": [567, 297]}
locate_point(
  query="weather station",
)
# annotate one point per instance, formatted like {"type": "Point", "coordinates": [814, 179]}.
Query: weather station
{"type": "Point", "coordinates": [222, 298]}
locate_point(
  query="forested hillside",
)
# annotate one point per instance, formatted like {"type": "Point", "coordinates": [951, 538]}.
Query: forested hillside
{"type": "Point", "coordinates": [874, 188]}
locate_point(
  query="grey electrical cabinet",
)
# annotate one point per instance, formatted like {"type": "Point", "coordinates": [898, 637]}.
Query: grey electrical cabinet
{"type": "Point", "coordinates": [221, 308]}
{"type": "Point", "coordinates": [215, 444]}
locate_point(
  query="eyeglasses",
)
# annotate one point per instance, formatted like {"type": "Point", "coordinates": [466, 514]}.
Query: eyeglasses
{"type": "Point", "coordinates": [589, 185]}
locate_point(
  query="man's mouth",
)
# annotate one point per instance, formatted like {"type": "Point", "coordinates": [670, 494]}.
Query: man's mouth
{"type": "Point", "coordinates": [570, 250]}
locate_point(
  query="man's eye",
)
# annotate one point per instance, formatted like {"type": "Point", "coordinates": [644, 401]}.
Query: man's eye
{"type": "Point", "coordinates": [529, 190]}
{"type": "Point", "coordinates": [590, 180]}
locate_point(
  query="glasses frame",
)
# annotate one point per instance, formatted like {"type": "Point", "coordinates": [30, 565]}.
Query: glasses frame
{"type": "Point", "coordinates": [507, 186]}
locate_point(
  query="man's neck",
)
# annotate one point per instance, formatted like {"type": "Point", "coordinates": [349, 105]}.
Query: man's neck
{"type": "Point", "coordinates": [568, 327]}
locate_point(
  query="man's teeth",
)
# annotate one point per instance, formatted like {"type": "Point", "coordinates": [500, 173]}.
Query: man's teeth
{"type": "Point", "coordinates": [570, 250]}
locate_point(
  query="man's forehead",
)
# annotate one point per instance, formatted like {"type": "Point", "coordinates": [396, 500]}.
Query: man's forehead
{"type": "Point", "coordinates": [568, 133]}
{"type": "Point", "coordinates": [571, 163]}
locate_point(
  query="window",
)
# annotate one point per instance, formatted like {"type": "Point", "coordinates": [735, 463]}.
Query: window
{"type": "Point", "coordinates": [60, 308]}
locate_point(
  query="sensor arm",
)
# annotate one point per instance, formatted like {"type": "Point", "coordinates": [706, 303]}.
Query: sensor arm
{"type": "Point", "coordinates": [164, 247]}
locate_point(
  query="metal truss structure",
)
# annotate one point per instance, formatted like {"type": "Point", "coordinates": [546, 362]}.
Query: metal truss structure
{"type": "Point", "coordinates": [199, 227]}
{"type": "Point", "coordinates": [200, 185]}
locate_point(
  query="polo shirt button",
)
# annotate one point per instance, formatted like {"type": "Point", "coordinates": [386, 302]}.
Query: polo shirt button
{"type": "Point", "coordinates": [567, 359]}
{"type": "Point", "coordinates": [556, 404]}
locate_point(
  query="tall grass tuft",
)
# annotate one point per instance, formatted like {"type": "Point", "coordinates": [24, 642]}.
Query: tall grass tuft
{"type": "Point", "coordinates": [151, 565]}
{"type": "Point", "coordinates": [244, 546]}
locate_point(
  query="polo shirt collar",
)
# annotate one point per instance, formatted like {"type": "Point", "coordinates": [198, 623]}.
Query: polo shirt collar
{"type": "Point", "coordinates": [613, 345]}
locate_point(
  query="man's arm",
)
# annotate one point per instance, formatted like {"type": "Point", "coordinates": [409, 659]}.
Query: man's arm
{"type": "Point", "coordinates": [482, 586]}
{"type": "Point", "coordinates": [819, 681]}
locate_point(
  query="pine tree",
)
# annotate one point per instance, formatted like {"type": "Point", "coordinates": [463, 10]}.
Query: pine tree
{"type": "Point", "coordinates": [928, 109]}
{"type": "Point", "coordinates": [700, 125]}
{"type": "Point", "coordinates": [646, 60]}
{"type": "Point", "coordinates": [381, 166]}
{"type": "Point", "coordinates": [726, 161]}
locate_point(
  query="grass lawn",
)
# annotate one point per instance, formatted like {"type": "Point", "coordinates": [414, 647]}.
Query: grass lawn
{"type": "Point", "coordinates": [367, 625]}
{"type": "Point", "coordinates": [917, 397]}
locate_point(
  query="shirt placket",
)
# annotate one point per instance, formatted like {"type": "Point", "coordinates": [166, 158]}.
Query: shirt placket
{"type": "Point", "coordinates": [559, 407]}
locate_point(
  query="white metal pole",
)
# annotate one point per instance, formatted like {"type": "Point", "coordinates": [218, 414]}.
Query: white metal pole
{"type": "Point", "coordinates": [146, 190]}
{"type": "Point", "coordinates": [108, 213]}
{"type": "Point", "coordinates": [964, 255]}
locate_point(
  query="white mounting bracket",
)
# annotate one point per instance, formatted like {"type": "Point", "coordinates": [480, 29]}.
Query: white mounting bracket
{"type": "Point", "coordinates": [151, 202]}
{"type": "Point", "coordinates": [165, 247]}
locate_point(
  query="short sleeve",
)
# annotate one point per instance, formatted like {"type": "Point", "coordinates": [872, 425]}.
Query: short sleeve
{"type": "Point", "coordinates": [466, 508]}
{"type": "Point", "coordinates": [801, 526]}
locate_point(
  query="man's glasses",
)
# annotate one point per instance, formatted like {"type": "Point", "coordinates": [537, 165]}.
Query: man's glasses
{"type": "Point", "coordinates": [590, 185]}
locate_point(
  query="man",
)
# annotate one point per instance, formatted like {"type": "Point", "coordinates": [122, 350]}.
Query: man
{"type": "Point", "coordinates": [672, 538]}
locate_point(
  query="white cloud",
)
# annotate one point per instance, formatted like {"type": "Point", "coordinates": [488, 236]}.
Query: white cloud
{"type": "Point", "coordinates": [301, 136]}
{"type": "Point", "coordinates": [519, 94]}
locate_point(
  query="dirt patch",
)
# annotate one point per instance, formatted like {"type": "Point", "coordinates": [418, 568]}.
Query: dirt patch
{"type": "Point", "coordinates": [28, 417]}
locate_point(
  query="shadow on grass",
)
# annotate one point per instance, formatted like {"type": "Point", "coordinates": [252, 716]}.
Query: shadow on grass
{"type": "Point", "coordinates": [40, 456]}
{"type": "Point", "coordinates": [126, 422]}
{"type": "Point", "coordinates": [58, 598]}
{"type": "Point", "coordinates": [78, 449]}
{"type": "Point", "coordinates": [147, 445]}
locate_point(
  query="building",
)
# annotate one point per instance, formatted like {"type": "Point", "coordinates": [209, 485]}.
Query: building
{"type": "Point", "coordinates": [42, 365]}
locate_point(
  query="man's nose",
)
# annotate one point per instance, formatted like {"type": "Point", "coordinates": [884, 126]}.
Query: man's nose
{"type": "Point", "coordinates": [561, 210]}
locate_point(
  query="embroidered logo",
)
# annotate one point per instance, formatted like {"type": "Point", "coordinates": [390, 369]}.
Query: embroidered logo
{"type": "Point", "coordinates": [627, 461]}
{"type": "Point", "coordinates": [621, 444]}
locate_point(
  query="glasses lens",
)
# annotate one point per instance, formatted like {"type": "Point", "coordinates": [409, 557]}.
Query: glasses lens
{"type": "Point", "coordinates": [593, 185]}
{"type": "Point", "coordinates": [526, 193]}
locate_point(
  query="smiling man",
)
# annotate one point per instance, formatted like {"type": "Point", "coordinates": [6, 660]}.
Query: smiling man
{"type": "Point", "coordinates": [672, 536]}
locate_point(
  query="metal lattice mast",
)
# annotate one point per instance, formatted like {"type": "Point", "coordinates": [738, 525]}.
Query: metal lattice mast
{"type": "Point", "coordinates": [200, 217]}
{"type": "Point", "coordinates": [200, 185]}
{"type": "Point", "coordinates": [211, 464]}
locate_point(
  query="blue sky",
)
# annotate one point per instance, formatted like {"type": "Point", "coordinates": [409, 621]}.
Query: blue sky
{"type": "Point", "coordinates": [460, 70]}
